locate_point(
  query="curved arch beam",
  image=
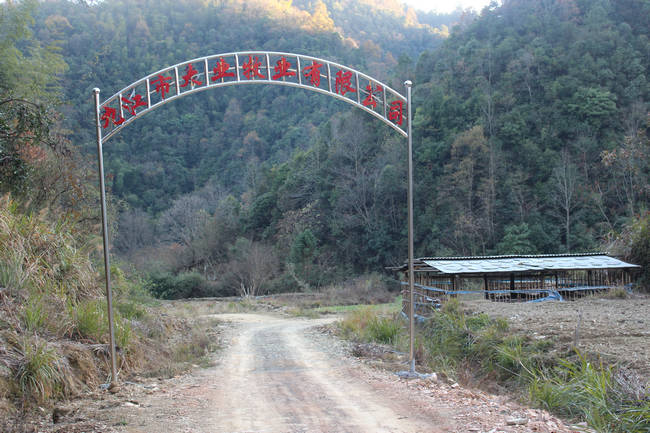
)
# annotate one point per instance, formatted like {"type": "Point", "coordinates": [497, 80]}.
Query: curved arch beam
{"type": "Point", "coordinates": [253, 67]}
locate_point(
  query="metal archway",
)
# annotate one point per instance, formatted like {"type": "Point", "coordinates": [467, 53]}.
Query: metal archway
{"type": "Point", "coordinates": [252, 67]}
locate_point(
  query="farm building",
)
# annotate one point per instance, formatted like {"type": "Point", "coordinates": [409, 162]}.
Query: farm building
{"type": "Point", "coordinates": [518, 278]}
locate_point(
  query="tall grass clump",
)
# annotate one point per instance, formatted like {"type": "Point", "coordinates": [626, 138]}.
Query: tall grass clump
{"type": "Point", "coordinates": [89, 320]}
{"type": "Point", "coordinates": [368, 325]}
{"type": "Point", "coordinates": [33, 314]}
{"type": "Point", "coordinates": [583, 390]}
{"type": "Point", "coordinates": [12, 274]}
{"type": "Point", "coordinates": [50, 293]}
{"type": "Point", "coordinates": [91, 323]}
{"type": "Point", "coordinates": [39, 371]}
{"type": "Point", "coordinates": [196, 348]}
{"type": "Point", "coordinates": [353, 326]}
{"type": "Point", "coordinates": [384, 329]}
{"type": "Point", "coordinates": [183, 285]}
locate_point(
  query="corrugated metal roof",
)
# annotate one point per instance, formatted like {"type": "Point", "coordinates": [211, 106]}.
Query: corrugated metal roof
{"type": "Point", "coordinates": [495, 264]}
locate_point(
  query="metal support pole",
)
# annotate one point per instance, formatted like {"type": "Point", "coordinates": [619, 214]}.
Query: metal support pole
{"type": "Point", "coordinates": [408, 85]}
{"type": "Point", "coordinates": [107, 266]}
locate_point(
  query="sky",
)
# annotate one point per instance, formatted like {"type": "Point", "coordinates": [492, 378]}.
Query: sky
{"type": "Point", "coordinates": [446, 5]}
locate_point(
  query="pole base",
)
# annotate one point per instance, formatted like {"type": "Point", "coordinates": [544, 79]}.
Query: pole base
{"type": "Point", "coordinates": [114, 388]}
{"type": "Point", "coordinates": [412, 375]}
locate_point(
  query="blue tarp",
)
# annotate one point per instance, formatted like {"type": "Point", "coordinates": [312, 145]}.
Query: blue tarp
{"type": "Point", "coordinates": [551, 295]}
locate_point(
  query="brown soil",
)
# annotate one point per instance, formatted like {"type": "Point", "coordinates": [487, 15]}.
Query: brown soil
{"type": "Point", "coordinates": [616, 330]}
{"type": "Point", "coordinates": [282, 375]}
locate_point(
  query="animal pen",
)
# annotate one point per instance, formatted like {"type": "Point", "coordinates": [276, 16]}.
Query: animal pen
{"type": "Point", "coordinates": [521, 278]}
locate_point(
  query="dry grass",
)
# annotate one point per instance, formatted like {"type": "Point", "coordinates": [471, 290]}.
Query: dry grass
{"type": "Point", "coordinates": [369, 289]}
{"type": "Point", "coordinates": [42, 256]}
{"type": "Point", "coordinates": [181, 336]}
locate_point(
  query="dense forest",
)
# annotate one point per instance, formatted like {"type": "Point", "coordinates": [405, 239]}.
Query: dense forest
{"type": "Point", "coordinates": [530, 134]}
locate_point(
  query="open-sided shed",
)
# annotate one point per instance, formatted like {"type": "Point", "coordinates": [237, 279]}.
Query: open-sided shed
{"type": "Point", "coordinates": [514, 278]}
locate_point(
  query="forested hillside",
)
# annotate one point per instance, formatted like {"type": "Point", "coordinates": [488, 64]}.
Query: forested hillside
{"type": "Point", "coordinates": [530, 125]}
{"type": "Point", "coordinates": [532, 128]}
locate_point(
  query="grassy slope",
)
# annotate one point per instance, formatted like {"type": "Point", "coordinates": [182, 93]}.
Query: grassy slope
{"type": "Point", "coordinates": [53, 324]}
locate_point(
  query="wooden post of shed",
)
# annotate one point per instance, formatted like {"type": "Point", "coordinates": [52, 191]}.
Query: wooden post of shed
{"type": "Point", "coordinates": [485, 286]}
{"type": "Point", "coordinates": [456, 285]}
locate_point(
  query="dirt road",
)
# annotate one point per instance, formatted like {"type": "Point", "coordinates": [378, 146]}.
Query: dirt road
{"type": "Point", "coordinates": [276, 377]}
{"type": "Point", "coordinates": [280, 375]}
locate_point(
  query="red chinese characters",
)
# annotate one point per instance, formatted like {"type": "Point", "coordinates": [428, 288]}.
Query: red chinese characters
{"type": "Point", "coordinates": [130, 104]}
{"type": "Point", "coordinates": [110, 115]}
{"type": "Point", "coordinates": [312, 73]}
{"type": "Point", "coordinates": [370, 100]}
{"type": "Point", "coordinates": [162, 85]}
{"type": "Point", "coordinates": [342, 83]}
{"type": "Point", "coordinates": [221, 70]}
{"type": "Point", "coordinates": [188, 78]}
{"type": "Point", "coordinates": [395, 113]}
{"type": "Point", "coordinates": [282, 69]}
{"type": "Point", "coordinates": [252, 68]}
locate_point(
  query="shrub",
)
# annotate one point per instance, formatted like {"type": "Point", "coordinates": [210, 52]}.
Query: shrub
{"type": "Point", "coordinates": [633, 244]}
{"type": "Point", "coordinates": [130, 310]}
{"type": "Point", "coordinates": [184, 285]}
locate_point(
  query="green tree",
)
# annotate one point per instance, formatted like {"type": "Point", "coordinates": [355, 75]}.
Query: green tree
{"type": "Point", "coordinates": [516, 240]}
{"type": "Point", "coordinates": [304, 248]}
{"type": "Point", "coordinates": [35, 160]}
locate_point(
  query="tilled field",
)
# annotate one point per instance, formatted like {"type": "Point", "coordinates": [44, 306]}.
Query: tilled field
{"type": "Point", "coordinates": [616, 330]}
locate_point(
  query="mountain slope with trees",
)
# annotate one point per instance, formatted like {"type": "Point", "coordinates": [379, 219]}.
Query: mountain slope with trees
{"type": "Point", "coordinates": [536, 114]}
{"type": "Point", "coordinates": [111, 44]}
{"type": "Point", "coordinates": [530, 135]}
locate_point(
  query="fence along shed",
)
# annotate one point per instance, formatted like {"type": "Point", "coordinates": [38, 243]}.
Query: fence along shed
{"type": "Point", "coordinates": [514, 278]}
